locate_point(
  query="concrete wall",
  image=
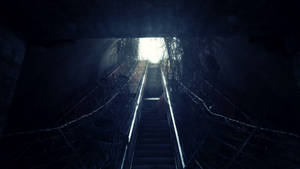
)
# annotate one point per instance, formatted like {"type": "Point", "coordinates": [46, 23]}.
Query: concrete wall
{"type": "Point", "coordinates": [12, 51]}
{"type": "Point", "coordinates": [257, 73]}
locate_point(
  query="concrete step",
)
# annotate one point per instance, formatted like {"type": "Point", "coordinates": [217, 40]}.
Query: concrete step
{"type": "Point", "coordinates": [153, 141]}
{"type": "Point", "coordinates": [154, 135]}
{"type": "Point", "coordinates": [151, 115]}
{"type": "Point", "coordinates": [154, 147]}
{"type": "Point", "coordinates": [153, 167]}
{"type": "Point", "coordinates": [153, 122]}
{"type": "Point", "coordinates": [158, 153]}
{"type": "Point", "coordinates": [154, 130]}
{"type": "Point", "coordinates": [154, 116]}
{"type": "Point", "coordinates": [153, 161]}
{"type": "Point", "coordinates": [150, 150]}
{"type": "Point", "coordinates": [154, 125]}
{"type": "Point", "coordinates": [147, 103]}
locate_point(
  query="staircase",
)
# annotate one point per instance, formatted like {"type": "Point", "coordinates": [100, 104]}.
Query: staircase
{"type": "Point", "coordinates": [153, 147]}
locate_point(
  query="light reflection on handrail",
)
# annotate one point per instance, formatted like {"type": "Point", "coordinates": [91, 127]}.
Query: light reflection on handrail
{"type": "Point", "coordinates": [173, 120]}
{"type": "Point", "coordinates": [137, 106]}
{"type": "Point", "coordinates": [134, 116]}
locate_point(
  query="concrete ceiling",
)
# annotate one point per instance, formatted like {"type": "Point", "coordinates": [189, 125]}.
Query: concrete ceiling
{"type": "Point", "coordinates": [72, 19]}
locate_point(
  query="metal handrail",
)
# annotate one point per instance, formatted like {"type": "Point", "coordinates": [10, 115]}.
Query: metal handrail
{"type": "Point", "coordinates": [131, 130]}
{"type": "Point", "coordinates": [66, 124]}
{"type": "Point", "coordinates": [90, 91]}
{"type": "Point", "coordinates": [238, 121]}
{"type": "Point", "coordinates": [178, 147]}
{"type": "Point", "coordinates": [208, 109]}
{"type": "Point", "coordinates": [226, 98]}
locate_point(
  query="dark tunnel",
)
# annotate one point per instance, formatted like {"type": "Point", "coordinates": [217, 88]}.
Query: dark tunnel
{"type": "Point", "coordinates": [149, 84]}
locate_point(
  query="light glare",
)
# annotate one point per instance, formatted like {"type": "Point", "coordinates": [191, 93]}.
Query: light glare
{"type": "Point", "coordinates": [152, 49]}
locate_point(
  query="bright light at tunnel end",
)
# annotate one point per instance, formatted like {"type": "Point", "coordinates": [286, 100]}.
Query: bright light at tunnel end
{"type": "Point", "coordinates": [152, 49]}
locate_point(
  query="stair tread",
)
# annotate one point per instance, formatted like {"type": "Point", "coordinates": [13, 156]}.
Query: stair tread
{"type": "Point", "coordinates": [154, 147]}
{"type": "Point", "coordinates": [154, 117]}
{"type": "Point", "coordinates": [154, 129]}
{"type": "Point", "coordinates": [153, 140]}
{"type": "Point", "coordinates": [153, 160]}
{"type": "Point", "coordinates": [158, 153]}
{"type": "Point", "coordinates": [155, 125]}
{"type": "Point", "coordinates": [154, 167]}
{"type": "Point", "coordinates": [151, 135]}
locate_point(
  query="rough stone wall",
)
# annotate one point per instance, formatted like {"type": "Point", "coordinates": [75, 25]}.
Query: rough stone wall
{"type": "Point", "coordinates": [12, 51]}
{"type": "Point", "coordinates": [56, 72]}
{"type": "Point", "coordinates": [292, 45]}
{"type": "Point", "coordinates": [257, 73]}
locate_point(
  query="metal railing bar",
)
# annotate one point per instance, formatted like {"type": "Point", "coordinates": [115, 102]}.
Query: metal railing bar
{"type": "Point", "coordinates": [237, 121]}
{"type": "Point", "coordinates": [134, 117]}
{"type": "Point", "coordinates": [173, 120]}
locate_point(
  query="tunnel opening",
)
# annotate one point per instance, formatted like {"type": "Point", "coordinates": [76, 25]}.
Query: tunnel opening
{"type": "Point", "coordinates": [155, 84]}
{"type": "Point", "coordinates": [152, 113]}
{"type": "Point", "coordinates": [152, 49]}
